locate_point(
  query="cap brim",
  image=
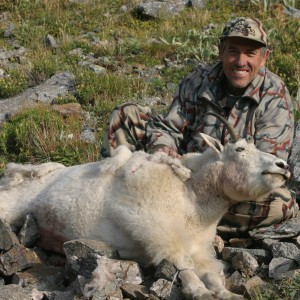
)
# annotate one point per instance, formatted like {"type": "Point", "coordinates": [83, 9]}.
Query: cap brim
{"type": "Point", "coordinates": [223, 37]}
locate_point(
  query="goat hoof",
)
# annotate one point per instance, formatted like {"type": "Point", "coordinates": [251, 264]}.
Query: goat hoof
{"type": "Point", "coordinates": [230, 296]}
{"type": "Point", "coordinates": [205, 296]}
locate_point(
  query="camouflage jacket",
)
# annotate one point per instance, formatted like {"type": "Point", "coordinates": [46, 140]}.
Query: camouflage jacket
{"type": "Point", "coordinates": [264, 112]}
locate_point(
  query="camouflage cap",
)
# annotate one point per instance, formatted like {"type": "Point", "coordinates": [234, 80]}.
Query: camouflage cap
{"type": "Point", "coordinates": [248, 28]}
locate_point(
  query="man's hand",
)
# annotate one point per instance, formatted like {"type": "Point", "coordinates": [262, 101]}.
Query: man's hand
{"type": "Point", "coordinates": [170, 151]}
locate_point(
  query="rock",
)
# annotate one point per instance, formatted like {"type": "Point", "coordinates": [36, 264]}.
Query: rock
{"type": "Point", "coordinates": [134, 291]}
{"type": "Point", "coordinates": [164, 8]}
{"type": "Point", "coordinates": [82, 255]}
{"type": "Point", "coordinates": [88, 136]}
{"type": "Point", "coordinates": [165, 270]}
{"type": "Point", "coordinates": [286, 250]}
{"type": "Point", "coordinates": [41, 277]}
{"type": "Point", "coordinates": [58, 295]}
{"type": "Point", "coordinates": [159, 9]}
{"type": "Point", "coordinates": [235, 283]}
{"type": "Point", "coordinates": [266, 243]}
{"type": "Point", "coordinates": [292, 12]}
{"type": "Point", "coordinates": [109, 275]}
{"type": "Point", "coordinates": [9, 31]}
{"type": "Point", "coordinates": [260, 254]}
{"type": "Point", "coordinates": [18, 258]}
{"type": "Point", "coordinates": [50, 41]}
{"type": "Point", "coordinates": [241, 242]}
{"type": "Point", "coordinates": [281, 267]}
{"type": "Point", "coordinates": [161, 288]}
{"type": "Point", "coordinates": [294, 161]}
{"type": "Point", "coordinates": [286, 229]}
{"type": "Point", "coordinates": [6, 57]}
{"type": "Point", "coordinates": [7, 237]}
{"type": "Point", "coordinates": [245, 263]}
{"type": "Point", "coordinates": [59, 85]}
{"type": "Point", "coordinates": [82, 247]}
{"type": "Point", "coordinates": [29, 233]}
{"type": "Point", "coordinates": [14, 292]}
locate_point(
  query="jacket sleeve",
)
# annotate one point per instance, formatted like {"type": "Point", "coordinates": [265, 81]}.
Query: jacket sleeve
{"type": "Point", "coordinates": [275, 123]}
{"type": "Point", "coordinates": [167, 130]}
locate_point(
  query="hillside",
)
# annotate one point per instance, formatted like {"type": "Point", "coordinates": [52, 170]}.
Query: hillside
{"type": "Point", "coordinates": [115, 55]}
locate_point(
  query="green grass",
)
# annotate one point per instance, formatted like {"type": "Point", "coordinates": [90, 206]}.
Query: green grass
{"type": "Point", "coordinates": [284, 289]}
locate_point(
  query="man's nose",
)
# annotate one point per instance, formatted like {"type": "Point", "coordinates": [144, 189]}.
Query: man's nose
{"type": "Point", "coordinates": [241, 60]}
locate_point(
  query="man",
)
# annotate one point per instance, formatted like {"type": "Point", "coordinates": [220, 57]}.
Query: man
{"type": "Point", "coordinates": [254, 100]}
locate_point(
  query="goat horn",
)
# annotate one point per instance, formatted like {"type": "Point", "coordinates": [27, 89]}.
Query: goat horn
{"type": "Point", "coordinates": [226, 124]}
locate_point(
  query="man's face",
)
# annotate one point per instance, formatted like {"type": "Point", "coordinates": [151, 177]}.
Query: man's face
{"type": "Point", "coordinates": [241, 60]}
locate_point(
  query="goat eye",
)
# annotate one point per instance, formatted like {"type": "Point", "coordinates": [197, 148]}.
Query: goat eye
{"type": "Point", "coordinates": [239, 149]}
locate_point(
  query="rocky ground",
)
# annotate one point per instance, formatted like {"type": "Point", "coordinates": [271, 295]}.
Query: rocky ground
{"type": "Point", "coordinates": [93, 269]}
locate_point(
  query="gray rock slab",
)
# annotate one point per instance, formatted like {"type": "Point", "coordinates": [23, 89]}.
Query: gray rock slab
{"type": "Point", "coordinates": [287, 229]}
{"type": "Point", "coordinates": [61, 84]}
{"type": "Point", "coordinates": [14, 292]}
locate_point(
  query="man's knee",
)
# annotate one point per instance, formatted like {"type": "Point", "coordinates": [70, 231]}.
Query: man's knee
{"type": "Point", "coordinates": [280, 205]}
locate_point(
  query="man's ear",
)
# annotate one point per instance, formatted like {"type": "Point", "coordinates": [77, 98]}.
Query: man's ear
{"type": "Point", "coordinates": [213, 143]}
{"type": "Point", "coordinates": [265, 58]}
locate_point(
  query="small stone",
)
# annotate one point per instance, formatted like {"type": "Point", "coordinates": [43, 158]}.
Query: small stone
{"type": "Point", "coordinates": [245, 262]}
{"type": "Point", "coordinates": [235, 283]}
{"type": "Point", "coordinates": [29, 233]}
{"type": "Point", "coordinates": [161, 288]}
{"type": "Point", "coordinates": [240, 242]}
{"type": "Point", "coordinates": [134, 291]}
{"type": "Point", "coordinates": [7, 237]}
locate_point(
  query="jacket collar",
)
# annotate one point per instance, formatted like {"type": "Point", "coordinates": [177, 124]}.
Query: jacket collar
{"type": "Point", "coordinates": [211, 85]}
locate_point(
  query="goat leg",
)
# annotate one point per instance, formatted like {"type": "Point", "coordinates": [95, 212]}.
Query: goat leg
{"type": "Point", "coordinates": [193, 288]}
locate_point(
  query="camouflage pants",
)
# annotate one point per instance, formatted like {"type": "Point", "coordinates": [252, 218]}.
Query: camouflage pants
{"type": "Point", "coordinates": [127, 126]}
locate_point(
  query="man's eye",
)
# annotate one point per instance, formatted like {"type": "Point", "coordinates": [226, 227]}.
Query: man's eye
{"type": "Point", "coordinates": [251, 53]}
{"type": "Point", "coordinates": [239, 149]}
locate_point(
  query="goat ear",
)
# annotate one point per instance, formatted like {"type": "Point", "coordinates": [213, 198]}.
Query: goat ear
{"type": "Point", "coordinates": [212, 143]}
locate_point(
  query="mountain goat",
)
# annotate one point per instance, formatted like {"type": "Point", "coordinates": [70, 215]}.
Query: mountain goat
{"type": "Point", "coordinates": [150, 207]}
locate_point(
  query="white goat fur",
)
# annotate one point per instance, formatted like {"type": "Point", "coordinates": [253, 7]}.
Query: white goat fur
{"type": "Point", "coordinates": [150, 207]}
